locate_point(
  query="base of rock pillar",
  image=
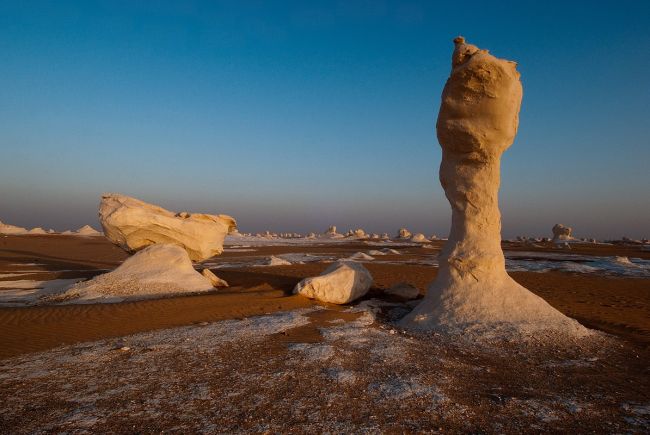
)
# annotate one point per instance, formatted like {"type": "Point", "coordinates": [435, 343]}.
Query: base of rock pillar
{"type": "Point", "coordinates": [499, 306]}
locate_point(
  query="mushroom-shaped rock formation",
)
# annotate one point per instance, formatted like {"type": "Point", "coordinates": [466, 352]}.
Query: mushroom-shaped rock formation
{"type": "Point", "coordinates": [561, 233]}
{"type": "Point", "coordinates": [340, 283]}
{"type": "Point", "coordinates": [403, 233]}
{"type": "Point", "coordinates": [477, 122]}
{"type": "Point", "coordinates": [133, 224]}
{"type": "Point", "coordinates": [160, 269]}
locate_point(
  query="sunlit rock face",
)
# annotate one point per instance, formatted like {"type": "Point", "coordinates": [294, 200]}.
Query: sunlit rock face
{"type": "Point", "coordinates": [477, 122]}
{"type": "Point", "coordinates": [561, 233]}
{"type": "Point", "coordinates": [133, 225]}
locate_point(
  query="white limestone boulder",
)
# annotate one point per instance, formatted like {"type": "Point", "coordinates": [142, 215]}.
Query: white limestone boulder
{"type": "Point", "coordinates": [133, 225]}
{"type": "Point", "coordinates": [340, 283]}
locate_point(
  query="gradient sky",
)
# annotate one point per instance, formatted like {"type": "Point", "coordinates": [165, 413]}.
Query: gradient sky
{"type": "Point", "coordinates": [292, 116]}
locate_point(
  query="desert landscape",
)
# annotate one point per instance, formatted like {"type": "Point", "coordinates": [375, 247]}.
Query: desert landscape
{"type": "Point", "coordinates": [155, 319]}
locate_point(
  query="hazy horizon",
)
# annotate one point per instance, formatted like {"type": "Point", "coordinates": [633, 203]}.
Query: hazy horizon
{"type": "Point", "coordinates": [296, 116]}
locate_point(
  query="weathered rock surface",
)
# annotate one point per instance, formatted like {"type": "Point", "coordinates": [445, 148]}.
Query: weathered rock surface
{"type": "Point", "coordinates": [477, 122]}
{"type": "Point", "coordinates": [133, 225]}
{"type": "Point", "coordinates": [561, 233]}
{"type": "Point", "coordinates": [340, 283]}
{"type": "Point", "coordinates": [214, 279]}
{"type": "Point", "coordinates": [156, 270]}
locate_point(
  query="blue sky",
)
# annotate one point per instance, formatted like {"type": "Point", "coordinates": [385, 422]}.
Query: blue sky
{"type": "Point", "coordinates": [297, 115]}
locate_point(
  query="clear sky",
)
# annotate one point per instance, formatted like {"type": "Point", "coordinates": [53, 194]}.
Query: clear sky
{"type": "Point", "coordinates": [292, 116]}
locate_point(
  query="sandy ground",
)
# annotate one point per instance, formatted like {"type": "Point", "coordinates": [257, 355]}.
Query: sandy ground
{"type": "Point", "coordinates": [255, 358]}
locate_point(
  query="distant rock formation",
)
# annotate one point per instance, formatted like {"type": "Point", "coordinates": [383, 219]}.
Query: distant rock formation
{"type": "Point", "coordinates": [561, 233]}
{"type": "Point", "coordinates": [419, 238]}
{"type": "Point", "coordinates": [12, 229]}
{"type": "Point", "coordinates": [340, 283]}
{"type": "Point", "coordinates": [403, 233]}
{"type": "Point", "coordinates": [477, 122]}
{"type": "Point", "coordinates": [133, 225]}
{"type": "Point", "coordinates": [88, 231]}
{"type": "Point", "coordinates": [331, 233]}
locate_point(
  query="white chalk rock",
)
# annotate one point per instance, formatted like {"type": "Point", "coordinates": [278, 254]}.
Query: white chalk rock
{"type": "Point", "coordinates": [477, 122]}
{"type": "Point", "coordinates": [156, 270]}
{"type": "Point", "coordinates": [37, 230]}
{"type": "Point", "coordinates": [275, 261]}
{"type": "Point", "coordinates": [360, 256]}
{"type": "Point", "coordinates": [133, 224]}
{"type": "Point", "coordinates": [403, 290]}
{"type": "Point", "coordinates": [214, 279]}
{"type": "Point", "coordinates": [561, 233]}
{"type": "Point", "coordinates": [403, 233]}
{"type": "Point", "coordinates": [88, 231]}
{"type": "Point", "coordinates": [340, 283]}
{"type": "Point", "coordinates": [419, 238]}
{"type": "Point", "coordinates": [12, 229]}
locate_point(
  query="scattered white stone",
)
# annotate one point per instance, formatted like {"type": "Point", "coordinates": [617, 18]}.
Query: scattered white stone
{"type": "Point", "coordinates": [340, 283]}
{"type": "Point", "coordinates": [275, 261]}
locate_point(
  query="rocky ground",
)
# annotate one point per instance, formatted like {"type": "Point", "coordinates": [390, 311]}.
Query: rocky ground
{"type": "Point", "coordinates": [255, 359]}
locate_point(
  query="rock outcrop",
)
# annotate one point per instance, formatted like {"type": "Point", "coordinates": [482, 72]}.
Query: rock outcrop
{"type": "Point", "coordinates": [561, 233]}
{"type": "Point", "coordinates": [133, 225]}
{"type": "Point", "coordinates": [340, 283]}
{"type": "Point", "coordinates": [159, 269]}
{"type": "Point", "coordinates": [12, 229]}
{"type": "Point", "coordinates": [477, 122]}
{"type": "Point", "coordinates": [419, 238]}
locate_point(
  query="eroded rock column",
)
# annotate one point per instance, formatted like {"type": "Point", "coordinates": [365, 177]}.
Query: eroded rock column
{"type": "Point", "coordinates": [478, 120]}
